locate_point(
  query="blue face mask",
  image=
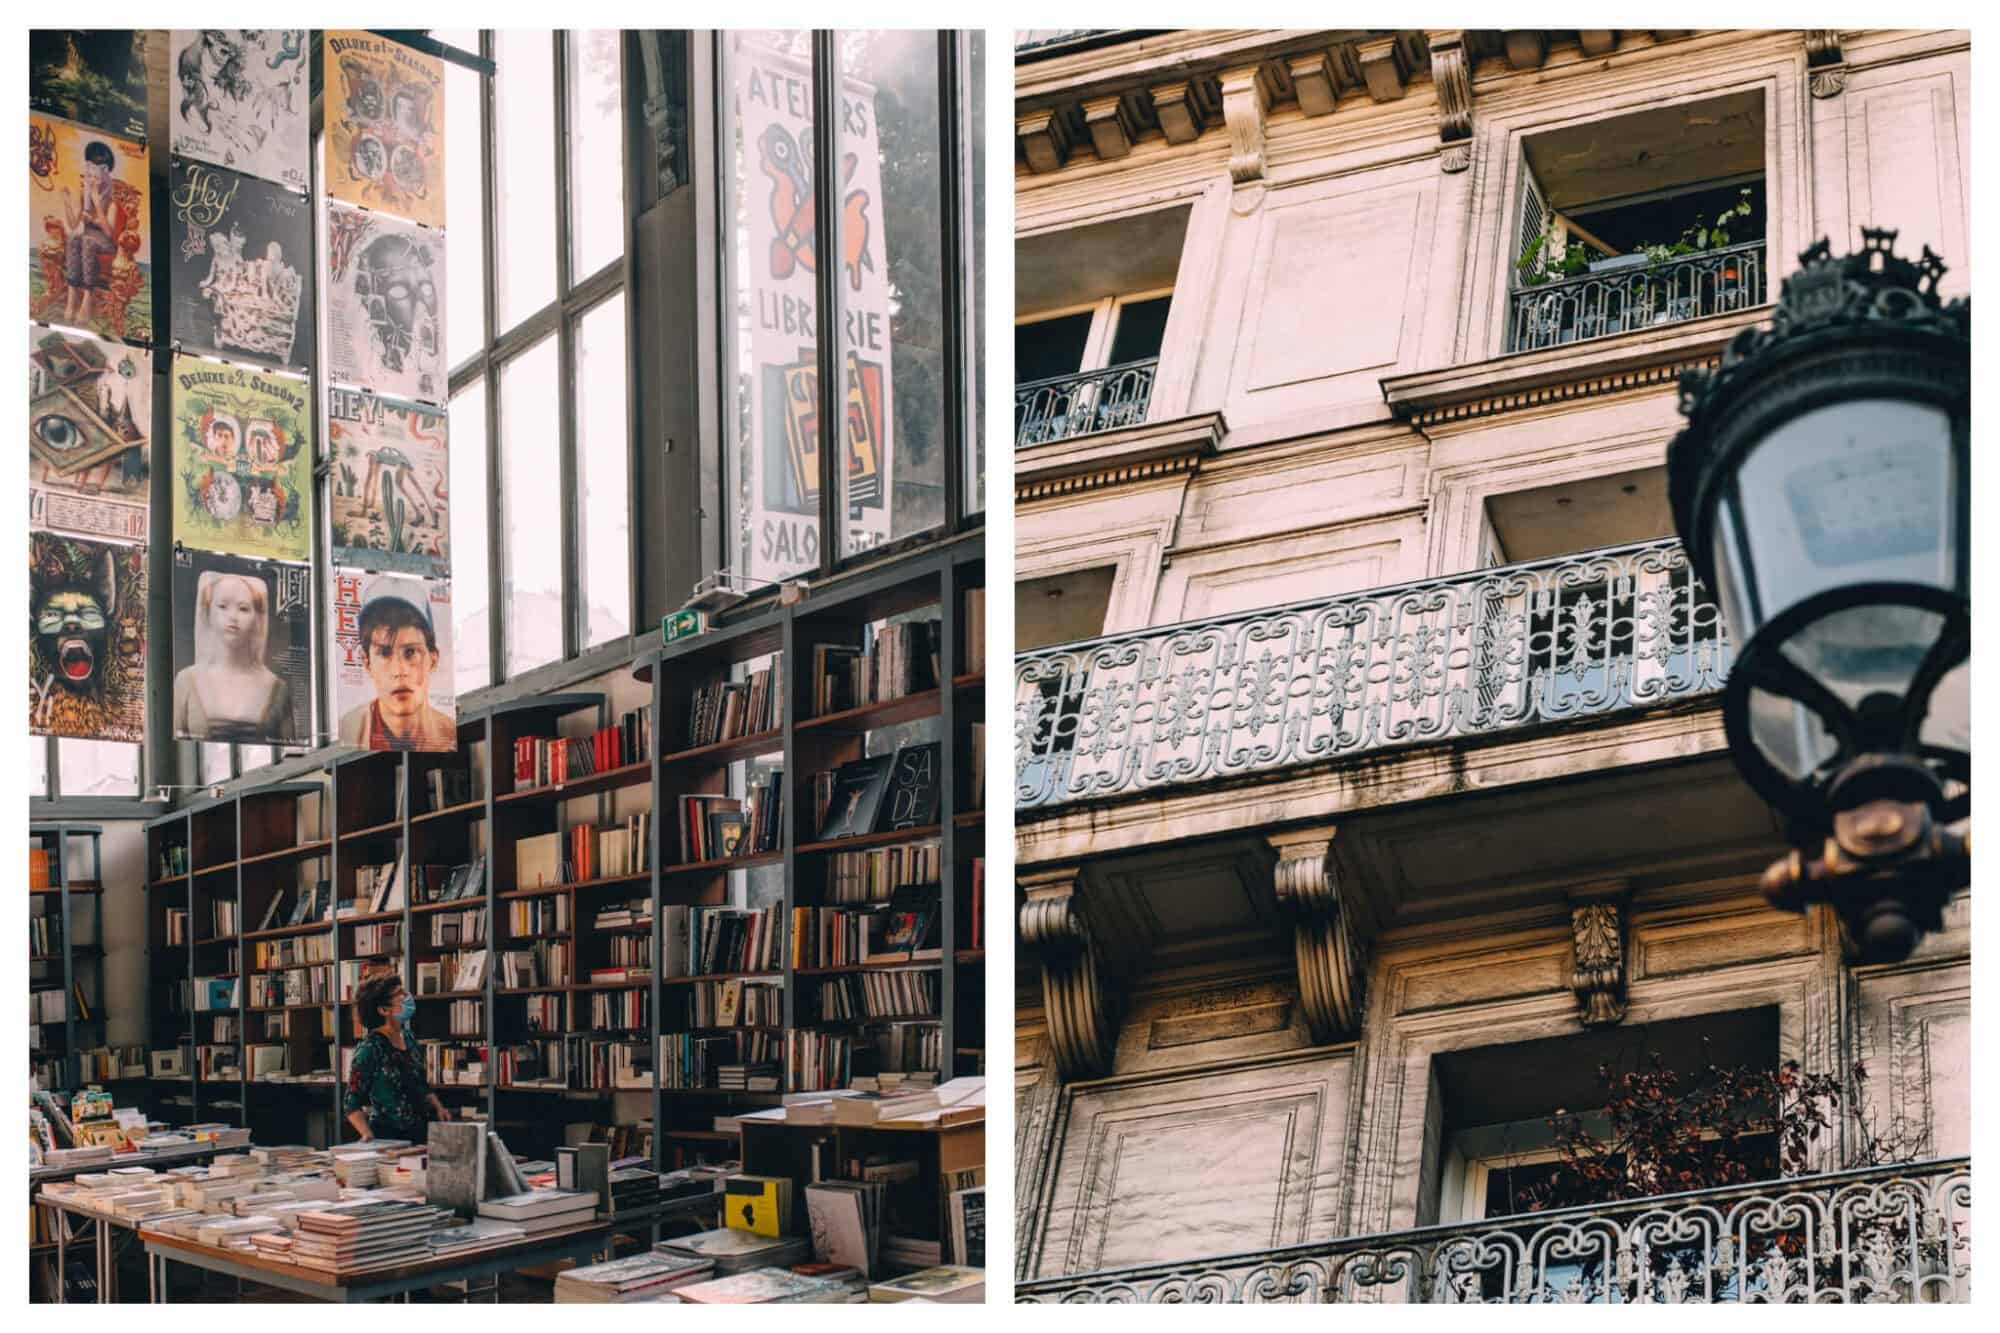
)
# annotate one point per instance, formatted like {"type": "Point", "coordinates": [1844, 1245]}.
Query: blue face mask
{"type": "Point", "coordinates": [407, 1010]}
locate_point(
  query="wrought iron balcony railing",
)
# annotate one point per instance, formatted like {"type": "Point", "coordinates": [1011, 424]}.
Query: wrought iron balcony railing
{"type": "Point", "coordinates": [1618, 300]}
{"type": "Point", "coordinates": [1470, 655]}
{"type": "Point", "coordinates": [1887, 1235]}
{"type": "Point", "coordinates": [1080, 404]}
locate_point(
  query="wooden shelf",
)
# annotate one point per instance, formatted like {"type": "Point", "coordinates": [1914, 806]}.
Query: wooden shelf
{"type": "Point", "coordinates": [726, 863]}
{"type": "Point", "coordinates": [870, 1022]}
{"type": "Point", "coordinates": [638, 877]}
{"type": "Point", "coordinates": [588, 785]}
{"type": "Point", "coordinates": [975, 680]}
{"type": "Point", "coordinates": [276, 932]}
{"type": "Point", "coordinates": [846, 968]}
{"type": "Point", "coordinates": [450, 905]}
{"type": "Point", "coordinates": [366, 918]}
{"type": "Point", "coordinates": [372, 831]}
{"type": "Point", "coordinates": [276, 1009]}
{"type": "Point", "coordinates": [703, 1135]}
{"type": "Point", "coordinates": [970, 819]}
{"type": "Point", "coordinates": [448, 995]}
{"type": "Point", "coordinates": [466, 809]}
{"type": "Point", "coordinates": [170, 879]}
{"type": "Point", "coordinates": [76, 890]}
{"type": "Point", "coordinates": [863, 841]}
{"type": "Point", "coordinates": [722, 976]}
{"type": "Point", "coordinates": [726, 752]}
{"type": "Point", "coordinates": [870, 717]}
{"type": "Point", "coordinates": [305, 851]}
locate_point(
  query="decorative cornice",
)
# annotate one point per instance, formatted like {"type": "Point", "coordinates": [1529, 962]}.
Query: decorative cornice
{"type": "Point", "coordinates": [1111, 126]}
{"type": "Point", "coordinates": [1385, 67]}
{"type": "Point", "coordinates": [1075, 1002]}
{"type": "Point", "coordinates": [1116, 458]}
{"type": "Point", "coordinates": [1104, 478]}
{"type": "Point", "coordinates": [1043, 138]}
{"type": "Point", "coordinates": [1332, 962]}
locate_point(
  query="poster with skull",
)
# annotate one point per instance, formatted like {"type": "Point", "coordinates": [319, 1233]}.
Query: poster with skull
{"type": "Point", "coordinates": [237, 267]}
{"type": "Point", "coordinates": [86, 639]}
{"type": "Point", "coordinates": [242, 649]}
{"type": "Point", "coordinates": [385, 305]}
{"type": "Point", "coordinates": [384, 126]}
{"type": "Point", "coordinates": [239, 99]}
{"type": "Point", "coordinates": [388, 480]}
{"type": "Point", "coordinates": [242, 460]}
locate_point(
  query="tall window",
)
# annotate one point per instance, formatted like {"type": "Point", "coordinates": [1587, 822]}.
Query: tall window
{"type": "Point", "coordinates": [542, 556]}
{"type": "Point", "coordinates": [847, 405]}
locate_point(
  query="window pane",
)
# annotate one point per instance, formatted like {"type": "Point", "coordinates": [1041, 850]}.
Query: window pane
{"type": "Point", "coordinates": [215, 762]}
{"type": "Point", "coordinates": [605, 543]}
{"type": "Point", "coordinates": [975, 475]}
{"type": "Point", "coordinates": [98, 768]}
{"type": "Point", "coordinates": [771, 452]}
{"type": "Point", "coordinates": [467, 493]}
{"type": "Point", "coordinates": [464, 205]}
{"type": "Point", "coordinates": [524, 100]}
{"type": "Point", "coordinates": [891, 288]}
{"type": "Point", "coordinates": [531, 501]}
{"type": "Point", "coordinates": [38, 766]}
{"type": "Point", "coordinates": [596, 157]}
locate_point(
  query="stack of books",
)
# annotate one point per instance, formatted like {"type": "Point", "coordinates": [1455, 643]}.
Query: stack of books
{"type": "Point", "coordinates": [759, 1077]}
{"type": "Point", "coordinates": [899, 659]}
{"type": "Point", "coordinates": [847, 1222]}
{"type": "Point", "coordinates": [641, 1277]}
{"type": "Point", "coordinates": [726, 710]}
{"type": "Point", "coordinates": [948, 1284]}
{"type": "Point", "coordinates": [765, 1286]}
{"type": "Point", "coordinates": [735, 1251]}
{"type": "Point", "coordinates": [542, 1210]}
{"type": "Point", "coordinates": [366, 1231]}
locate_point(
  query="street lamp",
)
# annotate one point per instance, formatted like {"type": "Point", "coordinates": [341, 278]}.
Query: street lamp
{"type": "Point", "coordinates": [1821, 488]}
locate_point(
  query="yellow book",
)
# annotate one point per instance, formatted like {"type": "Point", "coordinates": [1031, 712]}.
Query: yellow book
{"type": "Point", "coordinates": [752, 1203]}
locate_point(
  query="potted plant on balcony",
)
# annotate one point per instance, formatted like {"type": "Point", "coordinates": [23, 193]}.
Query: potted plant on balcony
{"type": "Point", "coordinates": [1536, 268]}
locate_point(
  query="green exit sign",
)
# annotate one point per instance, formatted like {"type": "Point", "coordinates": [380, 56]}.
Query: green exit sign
{"type": "Point", "coordinates": [683, 624]}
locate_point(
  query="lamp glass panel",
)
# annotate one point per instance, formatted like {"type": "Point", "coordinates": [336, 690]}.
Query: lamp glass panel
{"type": "Point", "coordinates": [1789, 734]}
{"type": "Point", "coordinates": [1857, 491]}
{"type": "Point", "coordinates": [1864, 650]}
{"type": "Point", "coordinates": [1949, 722]}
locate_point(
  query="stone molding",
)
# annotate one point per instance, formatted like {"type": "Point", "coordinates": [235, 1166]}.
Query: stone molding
{"type": "Point", "coordinates": [1597, 966]}
{"type": "Point", "coordinates": [1116, 457]}
{"type": "Point", "coordinates": [1332, 962]}
{"type": "Point", "coordinates": [1111, 126]}
{"type": "Point", "coordinates": [1044, 139]}
{"type": "Point", "coordinates": [1451, 72]}
{"type": "Point", "coordinates": [1385, 67]}
{"type": "Point", "coordinates": [1076, 1005]}
{"type": "Point", "coordinates": [1826, 67]}
{"type": "Point", "coordinates": [1182, 109]}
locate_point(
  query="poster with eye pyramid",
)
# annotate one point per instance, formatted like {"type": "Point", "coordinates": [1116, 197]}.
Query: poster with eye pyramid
{"type": "Point", "coordinates": [237, 264]}
{"type": "Point", "coordinates": [87, 639]}
{"type": "Point", "coordinates": [242, 460]}
{"type": "Point", "coordinates": [384, 126]}
{"type": "Point", "coordinates": [388, 482]}
{"type": "Point", "coordinates": [90, 419]}
{"type": "Point", "coordinates": [238, 99]}
{"type": "Point", "coordinates": [392, 662]}
{"type": "Point", "coordinates": [385, 305]}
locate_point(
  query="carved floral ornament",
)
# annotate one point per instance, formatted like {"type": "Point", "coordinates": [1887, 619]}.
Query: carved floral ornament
{"type": "Point", "coordinates": [1597, 929]}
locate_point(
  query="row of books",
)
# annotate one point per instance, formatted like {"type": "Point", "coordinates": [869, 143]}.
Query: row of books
{"type": "Point", "coordinates": [908, 1046]}
{"type": "Point", "coordinates": [297, 985]}
{"type": "Point", "coordinates": [815, 1061]}
{"type": "Point", "coordinates": [727, 710]}
{"type": "Point", "coordinates": [584, 852]}
{"type": "Point", "coordinates": [728, 939]}
{"type": "Point", "coordinates": [872, 876]}
{"type": "Point", "coordinates": [758, 1076]}
{"type": "Point", "coordinates": [46, 1006]}
{"type": "Point", "coordinates": [625, 957]}
{"type": "Point", "coordinates": [172, 860]}
{"type": "Point", "coordinates": [542, 963]}
{"type": "Point", "coordinates": [894, 660]}
{"type": "Point", "coordinates": [622, 915]}
{"type": "Point", "coordinates": [733, 1003]}
{"type": "Point", "coordinates": [711, 828]}
{"type": "Point", "coordinates": [845, 936]}
{"type": "Point", "coordinates": [381, 887]}
{"type": "Point", "coordinates": [691, 1060]}
{"type": "Point", "coordinates": [222, 916]}
{"type": "Point", "coordinates": [547, 1013]}
{"type": "Point", "coordinates": [620, 1010]}
{"type": "Point", "coordinates": [293, 952]}
{"type": "Point", "coordinates": [382, 940]}
{"type": "Point", "coordinates": [884, 994]}
{"type": "Point", "coordinates": [44, 933]}
{"type": "Point", "coordinates": [878, 794]}
{"type": "Point", "coordinates": [454, 1064]}
{"type": "Point", "coordinates": [460, 970]}
{"type": "Point", "coordinates": [538, 916]}
{"type": "Point", "coordinates": [453, 929]}
{"type": "Point", "coordinates": [443, 788]}
{"type": "Point", "coordinates": [177, 927]}
{"type": "Point", "coordinates": [442, 884]}
{"type": "Point", "coordinates": [550, 761]}
{"type": "Point", "coordinates": [466, 1018]}
{"type": "Point", "coordinates": [975, 631]}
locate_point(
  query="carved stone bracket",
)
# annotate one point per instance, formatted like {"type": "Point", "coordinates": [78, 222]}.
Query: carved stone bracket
{"type": "Point", "coordinates": [1597, 41]}
{"type": "Point", "coordinates": [1451, 71]}
{"type": "Point", "coordinates": [1182, 110]}
{"type": "Point", "coordinates": [1313, 82]}
{"type": "Point", "coordinates": [1527, 48]}
{"type": "Point", "coordinates": [1331, 960]}
{"type": "Point", "coordinates": [1111, 126]}
{"type": "Point", "coordinates": [1044, 139]}
{"type": "Point", "coordinates": [1385, 67]}
{"type": "Point", "coordinates": [1825, 66]}
{"type": "Point", "coordinates": [1597, 929]}
{"type": "Point", "coordinates": [1075, 1001]}
{"type": "Point", "coordinates": [1246, 98]}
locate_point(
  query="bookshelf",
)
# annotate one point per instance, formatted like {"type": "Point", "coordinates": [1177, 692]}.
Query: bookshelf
{"type": "Point", "coordinates": [58, 962]}
{"type": "Point", "coordinates": [359, 810]}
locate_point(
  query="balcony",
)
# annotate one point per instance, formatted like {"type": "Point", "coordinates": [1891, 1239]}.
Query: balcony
{"type": "Point", "coordinates": [1886, 1235]}
{"type": "Point", "coordinates": [1066, 406]}
{"type": "Point", "coordinates": [1620, 299]}
{"type": "Point", "coordinates": [1469, 655]}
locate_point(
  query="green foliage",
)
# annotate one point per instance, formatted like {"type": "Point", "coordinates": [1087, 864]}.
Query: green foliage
{"type": "Point", "coordinates": [1701, 234]}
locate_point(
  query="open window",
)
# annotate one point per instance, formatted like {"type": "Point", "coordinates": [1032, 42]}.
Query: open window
{"type": "Point", "coordinates": [1640, 220]}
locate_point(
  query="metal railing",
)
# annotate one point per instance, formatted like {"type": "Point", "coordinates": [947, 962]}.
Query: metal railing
{"type": "Point", "coordinates": [1885, 1235]}
{"type": "Point", "coordinates": [1080, 404]}
{"type": "Point", "coordinates": [1618, 300]}
{"type": "Point", "coordinates": [1468, 655]}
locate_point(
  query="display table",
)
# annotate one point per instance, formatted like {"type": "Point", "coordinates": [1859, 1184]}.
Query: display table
{"type": "Point", "coordinates": [374, 1283]}
{"type": "Point", "coordinates": [193, 1154]}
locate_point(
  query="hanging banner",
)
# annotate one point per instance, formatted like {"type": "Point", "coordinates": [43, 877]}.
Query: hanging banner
{"type": "Point", "coordinates": [89, 232]}
{"type": "Point", "coordinates": [242, 460]}
{"type": "Point", "coordinates": [242, 649]}
{"type": "Point", "coordinates": [237, 260]}
{"type": "Point", "coordinates": [392, 661]}
{"type": "Point", "coordinates": [781, 535]}
{"type": "Point", "coordinates": [385, 305]}
{"type": "Point", "coordinates": [90, 419]}
{"type": "Point", "coordinates": [384, 126]}
{"type": "Point", "coordinates": [94, 76]}
{"type": "Point", "coordinates": [391, 507]}
{"type": "Point", "coordinates": [87, 639]}
{"type": "Point", "coordinates": [239, 99]}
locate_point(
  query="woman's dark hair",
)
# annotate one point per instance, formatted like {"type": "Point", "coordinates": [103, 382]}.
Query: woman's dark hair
{"type": "Point", "coordinates": [99, 152]}
{"type": "Point", "coordinates": [372, 1002]}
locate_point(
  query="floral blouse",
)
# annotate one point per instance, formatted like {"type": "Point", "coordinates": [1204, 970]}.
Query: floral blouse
{"type": "Point", "coordinates": [390, 1086]}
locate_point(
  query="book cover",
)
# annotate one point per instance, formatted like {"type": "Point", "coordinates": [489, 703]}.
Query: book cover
{"type": "Point", "coordinates": [752, 1204]}
{"type": "Point", "coordinates": [912, 800]}
{"type": "Point", "coordinates": [856, 801]}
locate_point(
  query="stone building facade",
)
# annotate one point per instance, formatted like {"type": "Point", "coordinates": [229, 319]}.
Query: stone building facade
{"type": "Point", "coordinates": [1371, 783]}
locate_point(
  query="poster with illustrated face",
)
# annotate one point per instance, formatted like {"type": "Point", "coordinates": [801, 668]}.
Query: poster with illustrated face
{"type": "Point", "coordinates": [392, 661]}
{"type": "Point", "coordinates": [239, 99]}
{"type": "Point", "coordinates": [90, 422]}
{"type": "Point", "coordinates": [86, 639]}
{"type": "Point", "coordinates": [384, 126]}
{"type": "Point", "coordinates": [242, 649]}
{"type": "Point", "coordinates": [90, 252]}
{"type": "Point", "coordinates": [237, 262]}
{"type": "Point", "coordinates": [388, 483]}
{"type": "Point", "coordinates": [385, 305]}
{"type": "Point", "coordinates": [242, 460]}
{"type": "Point", "coordinates": [94, 76]}
{"type": "Point", "coordinates": [780, 533]}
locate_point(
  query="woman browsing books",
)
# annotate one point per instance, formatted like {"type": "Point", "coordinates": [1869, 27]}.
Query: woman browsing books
{"type": "Point", "coordinates": [388, 1096]}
